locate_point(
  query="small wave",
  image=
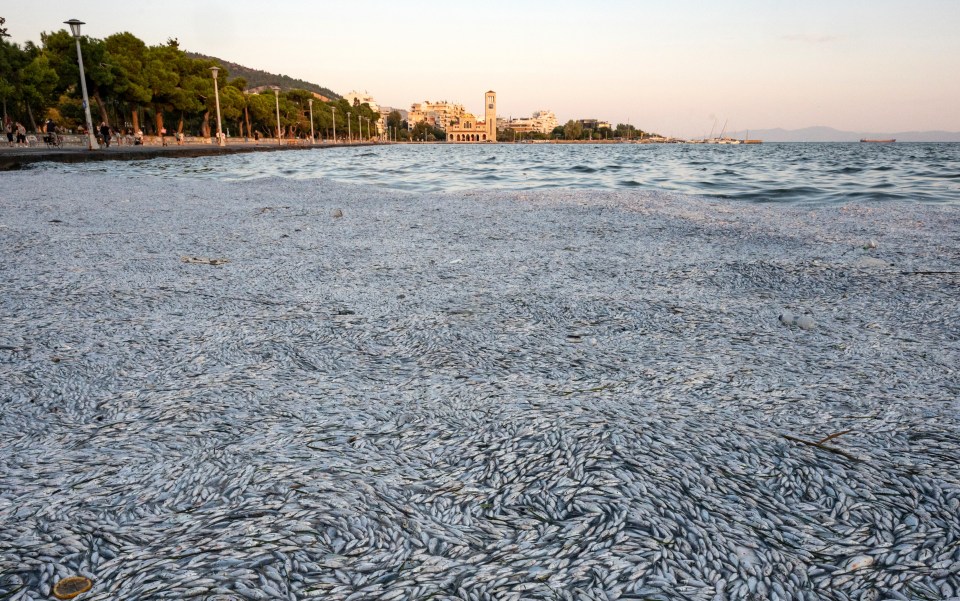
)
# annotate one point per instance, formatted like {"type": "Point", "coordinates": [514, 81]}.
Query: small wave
{"type": "Point", "coordinates": [583, 169]}
{"type": "Point", "coordinates": [630, 183]}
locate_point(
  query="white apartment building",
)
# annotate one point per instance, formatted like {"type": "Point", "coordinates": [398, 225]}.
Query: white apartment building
{"type": "Point", "coordinates": [355, 97]}
{"type": "Point", "coordinates": [437, 114]}
{"type": "Point", "coordinates": [542, 121]}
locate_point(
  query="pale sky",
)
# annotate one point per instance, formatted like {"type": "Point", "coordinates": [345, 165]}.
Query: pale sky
{"type": "Point", "coordinates": [675, 67]}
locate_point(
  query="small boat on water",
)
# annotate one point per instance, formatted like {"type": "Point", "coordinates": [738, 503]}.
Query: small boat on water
{"type": "Point", "coordinates": [867, 141]}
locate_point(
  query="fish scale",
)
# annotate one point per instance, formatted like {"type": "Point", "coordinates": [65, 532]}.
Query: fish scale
{"type": "Point", "coordinates": [285, 425]}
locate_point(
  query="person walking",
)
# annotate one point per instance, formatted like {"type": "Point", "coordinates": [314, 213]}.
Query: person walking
{"type": "Point", "coordinates": [105, 134]}
{"type": "Point", "coordinates": [21, 134]}
{"type": "Point", "coordinates": [8, 127]}
{"type": "Point", "coordinates": [163, 136]}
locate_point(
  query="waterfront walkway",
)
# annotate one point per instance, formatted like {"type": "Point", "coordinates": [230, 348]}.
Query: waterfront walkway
{"type": "Point", "coordinates": [19, 157]}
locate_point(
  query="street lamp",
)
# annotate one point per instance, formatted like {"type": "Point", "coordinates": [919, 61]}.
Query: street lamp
{"type": "Point", "coordinates": [333, 119]}
{"type": "Point", "coordinates": [349, 133]}
{"type": "Point", "coordinates": [276, 92]}
{"type": "Point", "coordinates": [359, 128]}
{"type": "Point", "coordinates": [310, 102]}
{"type": "Point", "coordinates": [75, 30]}
{"type": "Point", "coordinates": [216, 93]}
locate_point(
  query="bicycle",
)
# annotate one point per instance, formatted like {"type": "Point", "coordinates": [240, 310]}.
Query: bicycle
{"type": "Point", "coordinates": [53, 140]}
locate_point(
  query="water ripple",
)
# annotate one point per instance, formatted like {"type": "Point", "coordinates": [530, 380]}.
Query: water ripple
{"type": "Point", "coordinates": [792, 173]}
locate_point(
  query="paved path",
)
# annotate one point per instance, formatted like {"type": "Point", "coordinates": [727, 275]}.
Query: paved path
{"type": "Point", "coordinates": [17, 158]}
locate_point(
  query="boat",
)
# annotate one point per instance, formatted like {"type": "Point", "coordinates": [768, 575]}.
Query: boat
{"type": "Point", "coordinates": [867, 141]}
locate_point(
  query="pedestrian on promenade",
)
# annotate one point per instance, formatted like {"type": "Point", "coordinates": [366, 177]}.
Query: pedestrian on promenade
{"type": "Point", "coordinates": [138, 137]}
{"type": "Point", "coordinates": [163, 136]}
{"type": "Point", "coordinates": [21, 135]}
{"type": "Point", "coordinates": [105, 134]}
{"type": "Point", "coordinates": [256, 137]}
{"type": "Point", "coordinates": [179, 137]}
{"type": "Point", "coordinates": [8, 127]}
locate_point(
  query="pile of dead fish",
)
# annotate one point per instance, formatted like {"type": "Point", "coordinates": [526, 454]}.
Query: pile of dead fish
{"type": "Point", "coordinates": [566, 395]}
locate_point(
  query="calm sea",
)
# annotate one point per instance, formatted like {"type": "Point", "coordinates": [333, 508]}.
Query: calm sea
{"type": "Point", "coordinates": [798, 173]}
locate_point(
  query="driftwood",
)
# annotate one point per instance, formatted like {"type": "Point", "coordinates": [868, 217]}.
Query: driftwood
{"type": "Point", "coordinates": [204, 260]}
{"type": "Point", "coordinates": [820, 445]}
{"type": "Point", "coordinates": [930, 272]}
{"type": "Point", "coordinates": [834, 435]}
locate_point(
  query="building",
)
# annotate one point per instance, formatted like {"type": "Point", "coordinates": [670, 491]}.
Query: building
{"type": "Point", "coordinates": [438, 114]}
{"type": "Point", "coordinates": [594, 124]}
{"type": "Point", "coordinates": [466, 127]}
{"type": "Point", "coordinates": [542, 121]}
{"type": "Point", "coordinates": [357, 98]}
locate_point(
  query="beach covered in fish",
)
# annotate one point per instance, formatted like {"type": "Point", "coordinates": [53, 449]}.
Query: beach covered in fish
{"type": "Point", "coordinates": [293, 389]}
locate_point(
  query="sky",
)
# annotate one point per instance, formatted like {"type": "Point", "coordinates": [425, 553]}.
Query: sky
{"type": "Point", "coordinates": [675, 67]}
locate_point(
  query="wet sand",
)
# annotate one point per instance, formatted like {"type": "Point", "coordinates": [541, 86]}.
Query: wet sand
{"type": "Point", "coordinates": [226, 391]}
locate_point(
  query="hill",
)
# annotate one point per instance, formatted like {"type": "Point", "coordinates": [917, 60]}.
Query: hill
{"type": "Point", "coordinates": [256, 78]}
{"type": "Point", "coordinates": [829, 134]}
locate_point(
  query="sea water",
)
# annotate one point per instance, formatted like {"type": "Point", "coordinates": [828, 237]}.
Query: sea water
{"type": "Point", "coordinates": [800, 173]}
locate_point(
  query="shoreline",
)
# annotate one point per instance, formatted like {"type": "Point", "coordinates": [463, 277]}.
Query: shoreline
{"type": "Point", "coordinates": [286, 388]}
{"type": "Point", "coordinates": [12, 159]}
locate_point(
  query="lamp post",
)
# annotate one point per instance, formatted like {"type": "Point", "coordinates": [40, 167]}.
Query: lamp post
{"type": "Point", "coordinates": [359, 128]}
{"type": "Point", "coordinates": [75, 30]}
{"type": "Point", "coordinates": [276, 92]}
{"type": "Point", "coordinates": [310, 102]}
{"type": "Point", "coordinates": [216, 94]}
{"type": "Point", "coordinates": [333, 119]}
{"type": "Point", "coordinates": [349, 133]}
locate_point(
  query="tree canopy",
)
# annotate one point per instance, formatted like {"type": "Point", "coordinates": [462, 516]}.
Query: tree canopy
{"type": "Point", "coordinates": [135, 86]}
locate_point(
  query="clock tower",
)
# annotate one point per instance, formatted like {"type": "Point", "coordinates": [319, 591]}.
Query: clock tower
{"type": "Point", "coordinates": [490, 115]}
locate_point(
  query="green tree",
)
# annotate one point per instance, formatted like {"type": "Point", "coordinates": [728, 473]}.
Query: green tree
{"type": "Point", "coordinates": [572, 130]}
{"type": "Point", "coordinates": [61, 50]}
{"type": "Point", "coordinates": [38, 82]}
{"type": "Point", "coordinates": [162, 77]}
{"type": "Point", "coordinates": [12, 61]}
{"type": "Point", "coordinates": [240, 84]}
{"type": "Point", "coordinates": [424, 130]}
{"type": "Point", "coordinates": [261, 107]}
{"type": "Point", "coordinates": [232, 104]}
{"type": "Point", "coordinates": [394, 120]}
{"type": "Point", "coordinates": [127, 54]}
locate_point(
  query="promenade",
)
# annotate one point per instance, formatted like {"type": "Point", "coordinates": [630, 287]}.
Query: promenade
{"type": "Point", "coordinates": [18, 157]}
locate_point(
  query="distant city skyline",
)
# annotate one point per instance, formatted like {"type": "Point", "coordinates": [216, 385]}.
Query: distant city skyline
{"type": "Point", "coordinates": [883, 65]}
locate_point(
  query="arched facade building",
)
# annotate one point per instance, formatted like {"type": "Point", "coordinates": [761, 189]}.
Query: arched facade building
{"type": "Point", "coordinates": [467, 129]}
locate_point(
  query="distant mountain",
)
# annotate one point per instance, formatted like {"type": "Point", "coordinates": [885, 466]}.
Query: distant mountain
{"type": "Point", "coordinates": [829, 134]}
{"type": "Point", "coordinates": [256, 78]}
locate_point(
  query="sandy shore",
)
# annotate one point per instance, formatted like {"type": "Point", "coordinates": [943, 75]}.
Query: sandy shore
{"type": "Point", "coordinates": [564, 395]}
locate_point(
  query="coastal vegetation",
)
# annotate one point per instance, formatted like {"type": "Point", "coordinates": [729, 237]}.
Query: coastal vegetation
{"type": "Point", "coordinates": [151, 88]}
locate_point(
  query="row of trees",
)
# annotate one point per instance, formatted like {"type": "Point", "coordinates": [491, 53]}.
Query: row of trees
{"type": "Point", "coordinates": [574, 130]}
{"type": "Point", "coordinates": [136, 86]}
